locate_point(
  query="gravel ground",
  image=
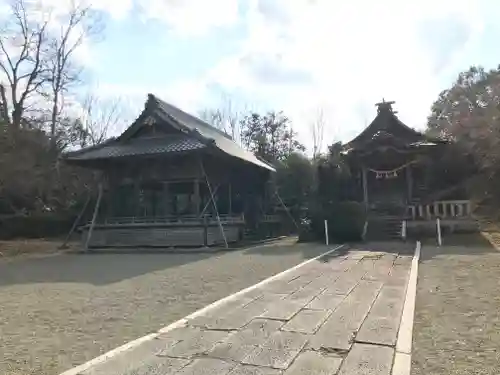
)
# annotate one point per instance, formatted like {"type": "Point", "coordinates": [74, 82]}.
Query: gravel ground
{"type": "Point", "coordinates": [60, 311]}
{"type": "Point", "coordinates": [457, 318]}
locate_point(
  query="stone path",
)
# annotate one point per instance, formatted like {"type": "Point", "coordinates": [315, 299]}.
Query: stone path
{"type": "Point", "coordinates": [336, 315]}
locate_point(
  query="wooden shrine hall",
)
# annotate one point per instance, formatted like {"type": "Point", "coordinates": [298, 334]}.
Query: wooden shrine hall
{"type": "Point", "coordinates": [171, 180]}
{"type": "Point", "coordinates": [389, 161]}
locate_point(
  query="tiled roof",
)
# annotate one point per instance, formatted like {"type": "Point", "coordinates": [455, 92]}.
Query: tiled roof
{"type": "Point", "coordinates": [195, 134]}
{"type": "Point", "coordinates": [386, 123]}
{"type": "Point", "coordinates": [141, 146]}
{"type": "Point", "coordinates": [223, 141]}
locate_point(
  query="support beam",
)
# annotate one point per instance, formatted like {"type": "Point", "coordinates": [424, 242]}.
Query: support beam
{"type": "Point", "coordinates": [214, 203]}
{"type": "Point", "coordinates": [76, 222]}
{"type": "Point", "coordinates": [209, 201]}
{"type": "Point", "coordinates": [94, 217]}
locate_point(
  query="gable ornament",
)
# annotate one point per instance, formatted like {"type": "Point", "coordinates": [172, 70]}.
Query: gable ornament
{"type": "Point", "coordinates": [149, 121]}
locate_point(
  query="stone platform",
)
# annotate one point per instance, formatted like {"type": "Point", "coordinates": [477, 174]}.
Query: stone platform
{"type": "Point", "coordinates": [339, 314]}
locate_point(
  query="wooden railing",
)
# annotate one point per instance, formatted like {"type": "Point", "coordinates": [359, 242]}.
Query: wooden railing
{"type": "Point", "coordinates": [441, 209]}
{"type": "Point", "coordinates": [271, 218]}
{"type": "Point", "coordinates": [187, 219]}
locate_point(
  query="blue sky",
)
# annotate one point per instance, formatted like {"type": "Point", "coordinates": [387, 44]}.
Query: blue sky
{"type": "Point", "coordinates": [299, 56]}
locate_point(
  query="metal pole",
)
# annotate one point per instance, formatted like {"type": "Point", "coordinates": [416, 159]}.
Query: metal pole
{"type": "Point", "coordinates": [75, 223]}
{"type": "Point", "coordinates": [215, 205]}
{"type": "Point", "coordinates": [94, 217]}
{"type": "Point", "coordinates": [438, 227]}
{"type": "Point", "coordinates": [326, 233]}
{"type": "Point", "coordinates": [403, 230]}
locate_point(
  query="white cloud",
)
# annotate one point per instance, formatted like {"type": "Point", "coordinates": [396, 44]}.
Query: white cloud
{"type": "Point", "coordinates": [349, 55]}
{"type": "Point", "coordinates": [191, 17]}
{"type": "Point", "coordinates": [189, 95]}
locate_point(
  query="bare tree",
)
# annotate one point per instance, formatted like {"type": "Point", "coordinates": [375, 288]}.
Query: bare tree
{"type": "Point", "coordinates": [23, 43]}
{"type": "Point", "coordinates": [63, 71]}
{"type": "Point", "coordinates": [225, 118]}
{"type": "Point", "coordinates": [38, 62]}
{"type": "Point", "coordinates": [317, 129]}
{"type": "Point", "coordinates": [100, 117]}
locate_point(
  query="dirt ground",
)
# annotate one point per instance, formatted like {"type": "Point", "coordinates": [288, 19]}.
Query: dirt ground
{"type": "Point", "coordinates": [34, 247]}
{"type": "Point", "coordinates": [59, 311]}
{"type": "Point", "coordinates": [457, 319]}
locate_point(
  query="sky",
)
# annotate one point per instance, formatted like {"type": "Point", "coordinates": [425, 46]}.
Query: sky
{"type": "Point", "coordinates": [298, 56]}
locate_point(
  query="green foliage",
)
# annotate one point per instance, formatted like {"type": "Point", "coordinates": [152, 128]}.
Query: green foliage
{"type": "Point", "coordinates": [294, 180]}
{"type": "Point", "coordinates": [270, 136]}
{"type": "Point", "coordinates": [346, 221]}
{"type": "Point", "coordinates": [334, 180]}
{"type": "Point", "coordinates": [333, 200]}
{"type": "Point", "coordinates": [469, 114]}
{"type": "Point", "coordinates": [33, 178]}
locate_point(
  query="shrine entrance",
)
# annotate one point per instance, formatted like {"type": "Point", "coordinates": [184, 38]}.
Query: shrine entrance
{"type": "Point", "coordinates": [386, 189]}
{"type": "Point", "coordinates": [389, 157]}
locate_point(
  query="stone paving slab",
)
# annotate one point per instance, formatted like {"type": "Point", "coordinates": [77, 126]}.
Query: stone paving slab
{"type": "Point", "coordinates": [340, 329]}
{"type": "Point", "coordinates": [314, 363]}
{"type": "Point", "coordinates": [278, 351]}
{"type": "Point", "coordinates": [307, 321]}
{"type": "Point", "coordinates": [337, 315]}
{"type": "Point", "coordinates": [366, 359]}
{"type": "Point", "coordinates": [241, 343]}
{"type": "Point", "coordinates": [382, 324]}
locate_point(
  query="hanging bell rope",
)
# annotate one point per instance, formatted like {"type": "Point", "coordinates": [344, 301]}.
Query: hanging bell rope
{"type": "Point", "coordinates": [392, 173]}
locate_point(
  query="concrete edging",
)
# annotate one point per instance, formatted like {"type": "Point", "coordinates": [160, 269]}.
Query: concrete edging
{"type": "Point", "coordinates": [181, 322]}
{"type": "Point", "coordinates": [402, 358]}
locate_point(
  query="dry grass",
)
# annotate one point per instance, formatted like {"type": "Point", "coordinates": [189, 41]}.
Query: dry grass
{"type": "Point", "coordinates": [457, 328]}
{"type": "Point", "coordinates": [16, 248]}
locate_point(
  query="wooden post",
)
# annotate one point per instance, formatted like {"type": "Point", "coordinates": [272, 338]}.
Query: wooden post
{"type": "Point", "coordinates": [137, 198]}
{"type": "Point", "coordinates": [409, 182]}
{"type": "Point", "coordinates": [326, 233]}
{"type": "Point", "coordinates": [94, 217]}
{"type": "Point", "coordinates": [230, 199]}
{"type": "Point", "coordinates": [438, 227]}
{"type": "Point", "coordinates": [365, 187]}
{"type": "Point", "coordinates": [196, 197]}
{"type": "Point", "coordinates": [166, 198]}
{"type": "Point", "coordinates": [205, 230]}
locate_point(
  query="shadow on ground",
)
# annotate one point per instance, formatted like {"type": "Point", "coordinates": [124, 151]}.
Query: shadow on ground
{"type": "Point", "coordinates": [104, 268]}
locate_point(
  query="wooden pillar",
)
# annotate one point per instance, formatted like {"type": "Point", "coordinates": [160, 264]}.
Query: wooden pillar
{"type": "Point", "coordinates": [365, 187]}
{"type": "Point", "coordinates": [409, 183]}
{"type": "Point", "coordinates": [230, 206]}
{"type": "Point", "coordinates": [137, 198]}
{"type": "Point", "coordinates": [166, 199]}
{"type": "Point", "coordinates": [196, 197]}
